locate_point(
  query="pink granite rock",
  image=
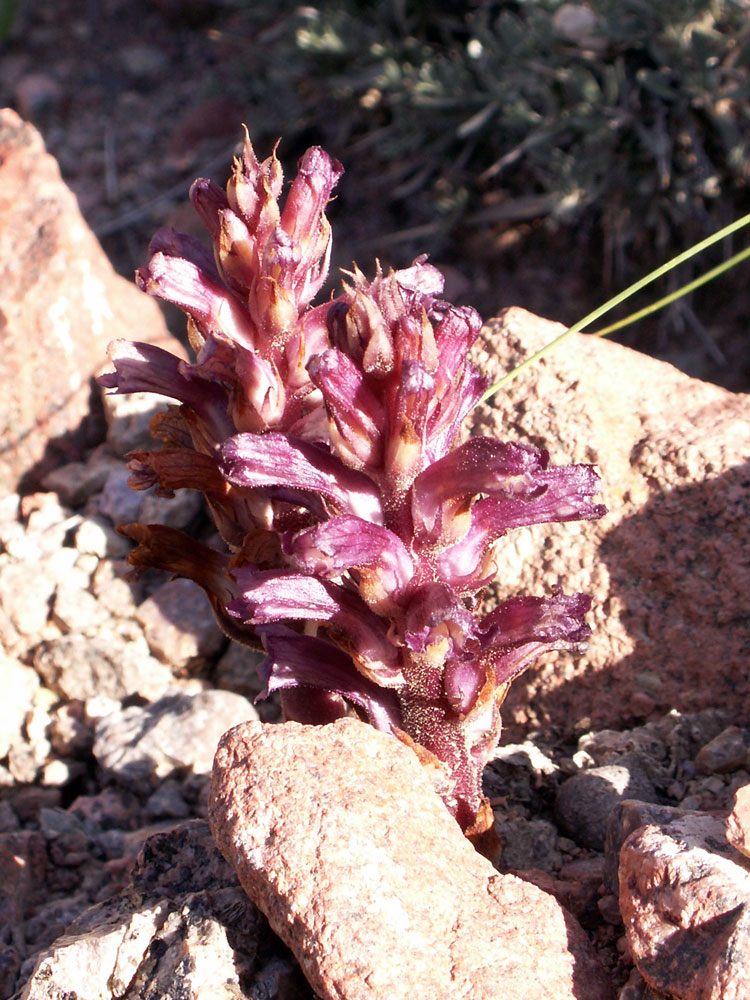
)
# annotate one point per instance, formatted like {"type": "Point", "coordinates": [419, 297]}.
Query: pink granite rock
{"type": "Point", "coordinates": [61, 305]}
{"type": "Point", "coordinates": [685, 903]}
{"type": "Point", "coordinates": [338, 837]}
{"type": "Point", "coordinates": [669, 567]}
{"type": "Point", "coordinates": [738, 821]}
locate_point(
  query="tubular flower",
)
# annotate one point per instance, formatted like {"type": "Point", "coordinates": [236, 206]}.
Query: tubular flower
{"type": "Point", "coordinates": [361, 526]}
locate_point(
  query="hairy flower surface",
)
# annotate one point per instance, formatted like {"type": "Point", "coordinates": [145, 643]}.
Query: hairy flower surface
{"type": "Point", "coordinates": [327, 439]}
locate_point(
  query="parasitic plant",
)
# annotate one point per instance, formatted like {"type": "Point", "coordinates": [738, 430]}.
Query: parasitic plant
{"type": "Point", "coordinates": [359, 525]}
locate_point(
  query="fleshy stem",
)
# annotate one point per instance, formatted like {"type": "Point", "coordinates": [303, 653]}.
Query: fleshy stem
{"type": "Point", "coordinates": [631, 290]}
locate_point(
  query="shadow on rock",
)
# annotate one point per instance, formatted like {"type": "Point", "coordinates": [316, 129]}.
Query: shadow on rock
{"type": "Point", "coordinates": [679, 574]}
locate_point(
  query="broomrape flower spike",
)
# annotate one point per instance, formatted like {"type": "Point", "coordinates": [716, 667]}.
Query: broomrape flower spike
{"type": "Point", "coordinates": [359, 526]}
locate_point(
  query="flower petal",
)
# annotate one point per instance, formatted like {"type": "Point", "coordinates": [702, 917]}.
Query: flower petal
{"type": "Point", "coordinates": [480, 465]}
{"type": "Point", "coordinates": [271, 596]}
{"type": "Point", "coordinates": [302, 660]}
{"type": "Point", "coordinates": [521, 489]}
{"type": "Point", "coordinates": [147, 368]}
{"type": "Point", "coordinates": [278, 460]}
{"type": "Point", "coordinates": [173, 244]}
{"type": "Point", "coordinates": [521, 628]}
{"type": "Point", "coordinates": [304, 221]}
{"type": "Point", "coordinates": [347, 542]}
{"type": "Point", "coordinates": [253, 190]}
{"type": "Point", "coordinates": [210, 304]}
{"type": "Point", "coordinates": [355, 416]}
{"type": "Point", "coordinates": [208, 200]}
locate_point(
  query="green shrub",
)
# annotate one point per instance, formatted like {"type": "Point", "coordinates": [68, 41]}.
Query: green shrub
{"type": "Point", "coordinates": [499, 113]}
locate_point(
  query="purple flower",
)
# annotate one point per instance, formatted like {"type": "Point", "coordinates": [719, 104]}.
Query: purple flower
{"type": "Point", "coordinates": [327, 441]}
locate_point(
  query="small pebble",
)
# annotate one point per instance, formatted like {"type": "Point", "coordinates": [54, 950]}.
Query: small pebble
{"type": "Point", "coordinates": [691, 803]}
{"type": "Point", "coordinates": [609, 908]}
{"type": "Point", "coordinates": [76, 610]}
{"type": "Point", "coordinates": [676, 790]}
{"type": "Point", "coordinates": [8, 819]}
{"type": "Point", "coordinates": [725, 753]}
{"type": "Point", "coordinates": [566, 845]}
{"type": "Point", "coordinates": [69, 731]}
{"type": "Point", "coordinates": [36, 92]}
{"type": "Point", "coordinates": [179, 625]}
{"type": "Point", "coordinates": [582, 759]}
{"type": "Point", "coordinates": [713, 784]}
{"type": "Point", "coordinates": [97, 537]}
{"type": "Point", "coordinates": [583, 802]}
{"type": "Point", "coordinates": [641, 704]}
{"type": "Point", "coordinates": [121, 504]}
{"type": "Point", "coordinates": [167, 802]}
{"type": "Point", "coordinates": [75, 482]}
{"type": "Point", "coordinates": [28, 802]}
{"type": "Point", "coordinates": [58, 772]}
{"type": "Point", "coordinates": [54, 821]}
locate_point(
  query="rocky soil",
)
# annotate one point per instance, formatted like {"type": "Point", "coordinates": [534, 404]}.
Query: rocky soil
{"type": "Point", "coordinates": [612, 787]}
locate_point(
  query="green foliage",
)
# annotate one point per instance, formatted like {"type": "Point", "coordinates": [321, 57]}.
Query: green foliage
{"type": "Point", "coordinates": [7, 16]}
{"type": "Point", "coordinates": [495, 113]}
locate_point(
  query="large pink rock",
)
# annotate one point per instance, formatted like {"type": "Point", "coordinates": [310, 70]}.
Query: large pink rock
{"type": "Point", "coordinates": [738, 821]}
{"type": "Point", "coordinates": [61, 305]}
{"type": "Point", "coordinates": [668, 568]}
{"type": "Point", "coordinates": [337, 835]}
{"type": "Point", "coordinates": [685, 903]}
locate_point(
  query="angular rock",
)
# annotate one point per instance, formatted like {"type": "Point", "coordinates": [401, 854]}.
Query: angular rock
{"type": "Point", "coordinates": [527, 843]}
{"type": "Point", "coordinates": [76, 610]}
{"type": "Point", "coordinates": [179, 732]}
{"type": "Point", "coordinates": [121, 504]}
{"type": "Point", "coordinates": [585, 800]}
{"type": "Point", "coordinates": [337, 835]}
{"type": "Point", "coordinates": [686, 907]}
{"type": "Point", "coordinates": [96, 536]}
{"type": "Point", "coordinates": [179, 624]}
{"type": "Point", "coordinates": [183, 930]}
{"type": "Point", "coordinates": [109, 664]}
{"type": "Point", "coordinates": [62, 303]}
{"type": "Point", "coordinates": [75, 482]}
{"type": "Point", "coordinates": [20, 684]}
{"type": "Point", "coordinates": [738, 821]}
{"type": "Point", "coordinates": [725, 753]}
{"type": "Point", "coordinates": [673, 454]}
{"type": "Point", "coordinates": [25, 594]}
{"type": "Point", "coordinates": [627, 817]}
